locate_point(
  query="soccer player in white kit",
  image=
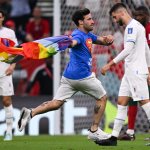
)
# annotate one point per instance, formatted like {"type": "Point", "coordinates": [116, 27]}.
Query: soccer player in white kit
{"type": "Point", "coordinates": [135, 81]}
{"type": "Point", "coordinates": [6, 85]}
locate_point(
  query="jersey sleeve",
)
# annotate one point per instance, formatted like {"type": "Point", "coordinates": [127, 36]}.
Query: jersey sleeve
{"type": "Point", "coordinates": [131, 34]}
{"type": "Point", "coordinates": [78, 38]}
{"type": "Point", "coordinates": [125, 52]}
{"type": "Point", "coordinates": [93, 37]}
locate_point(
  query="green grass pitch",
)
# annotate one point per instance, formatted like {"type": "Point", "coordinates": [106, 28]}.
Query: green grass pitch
{"type": "Point", "coordinates": [74, 142]}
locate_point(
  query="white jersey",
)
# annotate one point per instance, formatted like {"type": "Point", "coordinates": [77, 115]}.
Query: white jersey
{"type": "Point", "coordinates": [137, 60]}
{"type": "Point", "coordinates": [9, 34]}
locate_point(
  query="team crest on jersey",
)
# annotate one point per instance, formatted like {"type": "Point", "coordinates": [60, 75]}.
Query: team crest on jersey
{"type": "Point", "coordinates": [130, 30]}
{"type": "Point", "coordinates": [89, 44]}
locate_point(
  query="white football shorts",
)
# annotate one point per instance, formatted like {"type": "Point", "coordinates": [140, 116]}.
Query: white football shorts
{"type": "Point", "coordinates": [90, 85]}
{"type": "Point", "coordinates": [6, 86]}
{"type": "Point", "coordinates": [134, 86]}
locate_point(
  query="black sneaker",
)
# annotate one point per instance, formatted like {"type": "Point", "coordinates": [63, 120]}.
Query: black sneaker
{"type": "Point", "coordinates": [112, 141]}
{"type": "Point", "coordinates": [126, 137]}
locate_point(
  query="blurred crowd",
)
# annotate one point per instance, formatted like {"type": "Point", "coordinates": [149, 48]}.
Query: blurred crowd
{"type": "Point", "coordinates": [26, 19]}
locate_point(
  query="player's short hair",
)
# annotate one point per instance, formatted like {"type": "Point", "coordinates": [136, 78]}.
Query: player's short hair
{"type": "Point", "coordinates": [141, 10]}
{"type": "Point", "coordinates": [116, 7]}
{"type": "Point", "coordinates": [79, 15]}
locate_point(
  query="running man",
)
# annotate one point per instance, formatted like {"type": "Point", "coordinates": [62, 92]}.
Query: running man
{"type": "Point", "coordinates": [78, 76]}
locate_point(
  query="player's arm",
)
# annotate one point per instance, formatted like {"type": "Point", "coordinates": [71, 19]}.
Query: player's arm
{"type": "Point", "coordinates": [74, 43]}
{"type": "Point", "coordinates": [121, 56]}
{"type": "Point", "coordinates": [147, 54]}
{"type": "Point", "coordinates": [104, 40]}
{"type": "Point", "coordinates": [125, 52]}
{"type": "Point", "coordinates": [105, 68]}
{"type": "Point", "coordinates": [10, 69]}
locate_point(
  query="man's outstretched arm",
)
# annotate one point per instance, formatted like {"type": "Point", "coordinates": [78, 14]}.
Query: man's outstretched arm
{"type": "Point", "coordinates": [105, 40]}
{"type": "Point", "coordinates": [121, 56]}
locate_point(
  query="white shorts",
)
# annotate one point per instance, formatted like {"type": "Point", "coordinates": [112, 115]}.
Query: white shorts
{"type": "Point", "coordinates": [90, 85]}
{"type": "Point", "coordinates": [6, 86]}
{"type": "Point", "coordinates": [134, 86]}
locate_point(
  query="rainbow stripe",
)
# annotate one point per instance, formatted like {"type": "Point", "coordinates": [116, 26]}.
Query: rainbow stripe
{"type": "Point", "coordinates": [39, 49]}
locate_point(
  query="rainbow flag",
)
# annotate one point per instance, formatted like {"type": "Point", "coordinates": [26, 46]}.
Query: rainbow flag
{"type": "Point", "coordinates": [39, 49]}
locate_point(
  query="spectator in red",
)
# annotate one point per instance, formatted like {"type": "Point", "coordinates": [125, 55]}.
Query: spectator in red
{"type": "Point", "coordinates": [37, 27]}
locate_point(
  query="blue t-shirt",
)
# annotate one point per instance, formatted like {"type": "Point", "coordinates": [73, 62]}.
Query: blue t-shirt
{"type": "Point", "coordinates": [80, 63]}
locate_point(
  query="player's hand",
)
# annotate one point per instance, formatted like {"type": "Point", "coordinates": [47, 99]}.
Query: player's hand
{"type": "Point", "coordinates": [108, 39]}
{"type": "Point", "coordinates": [10, 69]}
{"type": "Point", "coordinates": [148, 79]}
{"type": "Point", "coordinates": [105, 69]}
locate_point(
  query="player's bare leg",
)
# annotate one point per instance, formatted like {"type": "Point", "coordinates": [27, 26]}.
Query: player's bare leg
{"type": "Point", "coordinates": [27, 114]}
{"type": "Point", "coordinates": [47, 106]}
{"type": "Point", "coordinates": [98, 112]}
{"type": "Point", "coordinates": [95, 133]}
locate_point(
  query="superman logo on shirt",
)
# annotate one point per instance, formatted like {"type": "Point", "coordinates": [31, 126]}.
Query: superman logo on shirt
{"type": "Point", "coordinates": [89, 44]}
